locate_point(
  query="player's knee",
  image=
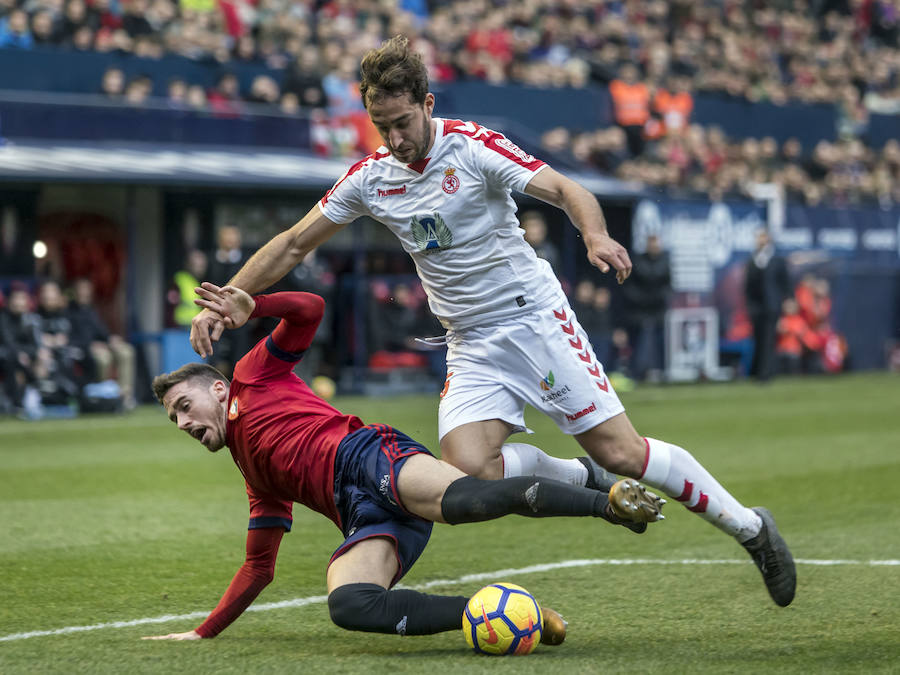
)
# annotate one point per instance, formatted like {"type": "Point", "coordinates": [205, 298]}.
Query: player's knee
{"type": "Point", "coordinates": [351, 606]}
{"type": "Point", "coordinates": [487, 465]}
{"type": "Point", "coordinates": [621, 456]}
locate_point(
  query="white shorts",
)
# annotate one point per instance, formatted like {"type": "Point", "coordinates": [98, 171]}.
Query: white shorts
{"type": "Point", "coordinates": [543, 359]}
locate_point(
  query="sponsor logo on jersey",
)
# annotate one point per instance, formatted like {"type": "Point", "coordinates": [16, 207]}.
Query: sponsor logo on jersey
{"type": "Point", "coordinates": [581, 413]}
{"type": "Point", "coordinates": [513, 149]}
{"type": "Point", "coordinates": [390, 192]}
{"type": "Point", "coordinates": [450, 184]}
{"type": "Point", "coordinates": [430, 232]}
{"type": "Point", "coordinates": [233, 409]}
{"type": "Point", "coordinates": [560, 394]}
{"type": "Point", "coordinates": [547, 382]}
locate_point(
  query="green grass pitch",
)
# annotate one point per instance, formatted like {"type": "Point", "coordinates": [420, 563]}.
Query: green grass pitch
{"type": "Point", "coordinates": [108, 519]}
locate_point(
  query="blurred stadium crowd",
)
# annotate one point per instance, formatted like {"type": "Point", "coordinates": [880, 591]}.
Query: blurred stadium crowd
{"type": "Point", "coordinates": [654, 56]}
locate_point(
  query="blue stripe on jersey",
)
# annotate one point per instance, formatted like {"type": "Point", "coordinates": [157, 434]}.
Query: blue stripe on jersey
{"type": "Point", "coordinates": [279, 353]}
{"type": "Point", "coordinates": [270, 521]}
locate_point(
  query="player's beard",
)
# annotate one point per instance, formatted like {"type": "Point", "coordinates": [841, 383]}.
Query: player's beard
{"type": "Point", "coordinates": [422, 146]}
{"type": "Point", "coordinates": [422, 150]}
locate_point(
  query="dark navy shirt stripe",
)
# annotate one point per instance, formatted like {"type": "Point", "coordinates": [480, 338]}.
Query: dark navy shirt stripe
{"type": "Point", "coordinates": [279, 353]}
{"type": "Point", "coordinates": [270, 521]}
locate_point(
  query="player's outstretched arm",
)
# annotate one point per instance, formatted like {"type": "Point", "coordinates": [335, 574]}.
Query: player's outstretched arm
{"type": "Point", "coordinates": [254, 575]}
{"type": "Point", "coordinates": [268, 265]}
{"type": "Point", "coordinates": [584, 211]}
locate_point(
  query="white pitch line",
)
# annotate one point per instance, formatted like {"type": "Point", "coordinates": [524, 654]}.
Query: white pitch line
{"type": "Point", "coordinates": [467, 578]}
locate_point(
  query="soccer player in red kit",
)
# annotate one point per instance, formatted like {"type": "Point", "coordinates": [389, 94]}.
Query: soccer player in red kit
{"type": "Point", "coordinates": [380, 487]}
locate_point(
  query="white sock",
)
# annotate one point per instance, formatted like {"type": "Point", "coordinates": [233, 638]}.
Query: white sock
{"type": "Point", "coordinates": [674, 471]}
{"type": "Point", "coordinates": [521, 459]}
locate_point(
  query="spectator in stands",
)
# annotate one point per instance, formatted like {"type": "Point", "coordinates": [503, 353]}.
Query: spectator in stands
{"type": "Point", "coordinates": [312, 275]}
{"type": "Point", "coordinates": [305, 79]}
{"type": "Point", "coordinates": [647, 297]}
{"type": "Point", "coordinates": [134, 18]}
{"type": "Point", "coordinates": [113, 83]}
{"type": "Point", "coordinates": [289, 104]}
{"type": "Point", "coordinates": [44, 30]}
{"type": "Point", "coordinates": [535, 226]}
{"type": "Point", "coordinates": [180, 307]}
{"type": "Point", "coordinates": [83, 39]}
{"type": "Point", "coordinates": [138, 90]}
{"type": "Point", "coordinates": [20, 336]}
{"type": "Point", "coordinates": [766, 287]}
{"type": "Point", "coordinates": [176, 94]}
{"type": "Point", "coordinates": [14, 31]}
{"type": "Point", "coordinates": [224, 263]}
{"type": "Point", "coordinates": [225, 98]}
{"type": "Point", "coordinates": [74, 17]}
{"type": "Point", "coordinates": [792, 335]}
{"type": "Point", "coordinates": [631, 106]}
{"type": "Point", "coordinates": [196, 97]}
{"type": "Point", "coordinates": [672, 106]}
{"type": "Point", "coordinates": [58, 356]}
{"type": "Point", "coordinates": [110, 354]}
{"type": "Point", "coordinates": [264, 90]}
{"type": "Point", "coordinates": [592, 307]}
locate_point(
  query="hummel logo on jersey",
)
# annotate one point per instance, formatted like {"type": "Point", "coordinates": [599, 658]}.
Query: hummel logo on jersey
{"type": "Point", "coordinates": [581, 413]}
{"type": "Point", "coordinates": [390, 192]}
{"type": "Point", "coordinates": [430, 232]}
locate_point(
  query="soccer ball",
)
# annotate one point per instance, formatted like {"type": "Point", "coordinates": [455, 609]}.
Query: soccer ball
{"type": "Point", "coordinates": [503, 619]}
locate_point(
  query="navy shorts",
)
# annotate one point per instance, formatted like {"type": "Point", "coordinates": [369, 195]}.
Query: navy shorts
{"type": "Point", "coordinates": [365, 493]}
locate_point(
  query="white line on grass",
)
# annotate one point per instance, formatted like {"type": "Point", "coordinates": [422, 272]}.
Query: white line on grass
{"type": "Point", "coordinates": [467, 578]}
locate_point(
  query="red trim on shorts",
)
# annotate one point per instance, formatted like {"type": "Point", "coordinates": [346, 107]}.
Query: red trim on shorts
{"type": "Point", "coordinates": [343, 549]}
{"type": "Point", "coordinates": [646, 457]}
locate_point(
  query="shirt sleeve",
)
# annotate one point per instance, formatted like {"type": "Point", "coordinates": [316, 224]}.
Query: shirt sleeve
{"type": "Point", "coordinates": [502, 161]}
{"type": "Point", "coordinates": [254, 575]}
{"type": "Point", "coordinates": [265, 512]}
{"type": "Point", "coordinates": [344, 202]}
{"type": "Point", "coordinates": [274, 356]}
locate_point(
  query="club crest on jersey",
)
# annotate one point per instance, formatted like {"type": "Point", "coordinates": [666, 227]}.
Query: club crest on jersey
{"type": "Point", "coordinates": [233, 409]}
{"type": "Point", "coordinates": [430, 232]}
{"type": "Point", "coordinates": [450, 182]}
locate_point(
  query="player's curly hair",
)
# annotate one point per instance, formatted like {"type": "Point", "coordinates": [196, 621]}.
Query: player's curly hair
{"type": "Point", "coordinates": [201, 371]}
{"type": "Point", "coordinates": [392, 70]}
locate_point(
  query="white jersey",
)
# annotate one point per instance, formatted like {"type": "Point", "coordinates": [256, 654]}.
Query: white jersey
{"type": "Point", "coordinates": [453, 213]}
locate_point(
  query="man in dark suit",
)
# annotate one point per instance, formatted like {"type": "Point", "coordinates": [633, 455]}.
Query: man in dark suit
{"type": "Point", "coordinates": [766, 287]}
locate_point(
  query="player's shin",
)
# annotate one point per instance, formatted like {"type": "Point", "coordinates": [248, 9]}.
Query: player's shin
{"type": "Point", "coordinates": [373, 609]}
{"type": "Point", "coordinates": [674, 471]}
{"type": "Point", "coordinates": [470, 500]}
{"type": "Point", "coordinates": [522, 459]}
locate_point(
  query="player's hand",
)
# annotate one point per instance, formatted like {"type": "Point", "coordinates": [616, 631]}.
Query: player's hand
{"type": "Point", "coordinates": [231, 303]}
{"type": "Point", "coordinates": [207, 327]}
{"type": "Point", "coordinates": [604, 251]}
{"type": "Point", "coordinates": [190, 635]}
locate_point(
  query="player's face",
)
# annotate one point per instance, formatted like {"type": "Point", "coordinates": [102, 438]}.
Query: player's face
{"type": "Point", "coordinates": [199, 410]}
{"type": "Point", "coordinates": [405, 127]}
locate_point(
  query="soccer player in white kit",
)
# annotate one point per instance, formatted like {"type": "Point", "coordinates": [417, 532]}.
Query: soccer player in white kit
{"type": "Point", "coordinates": [443, 188]}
